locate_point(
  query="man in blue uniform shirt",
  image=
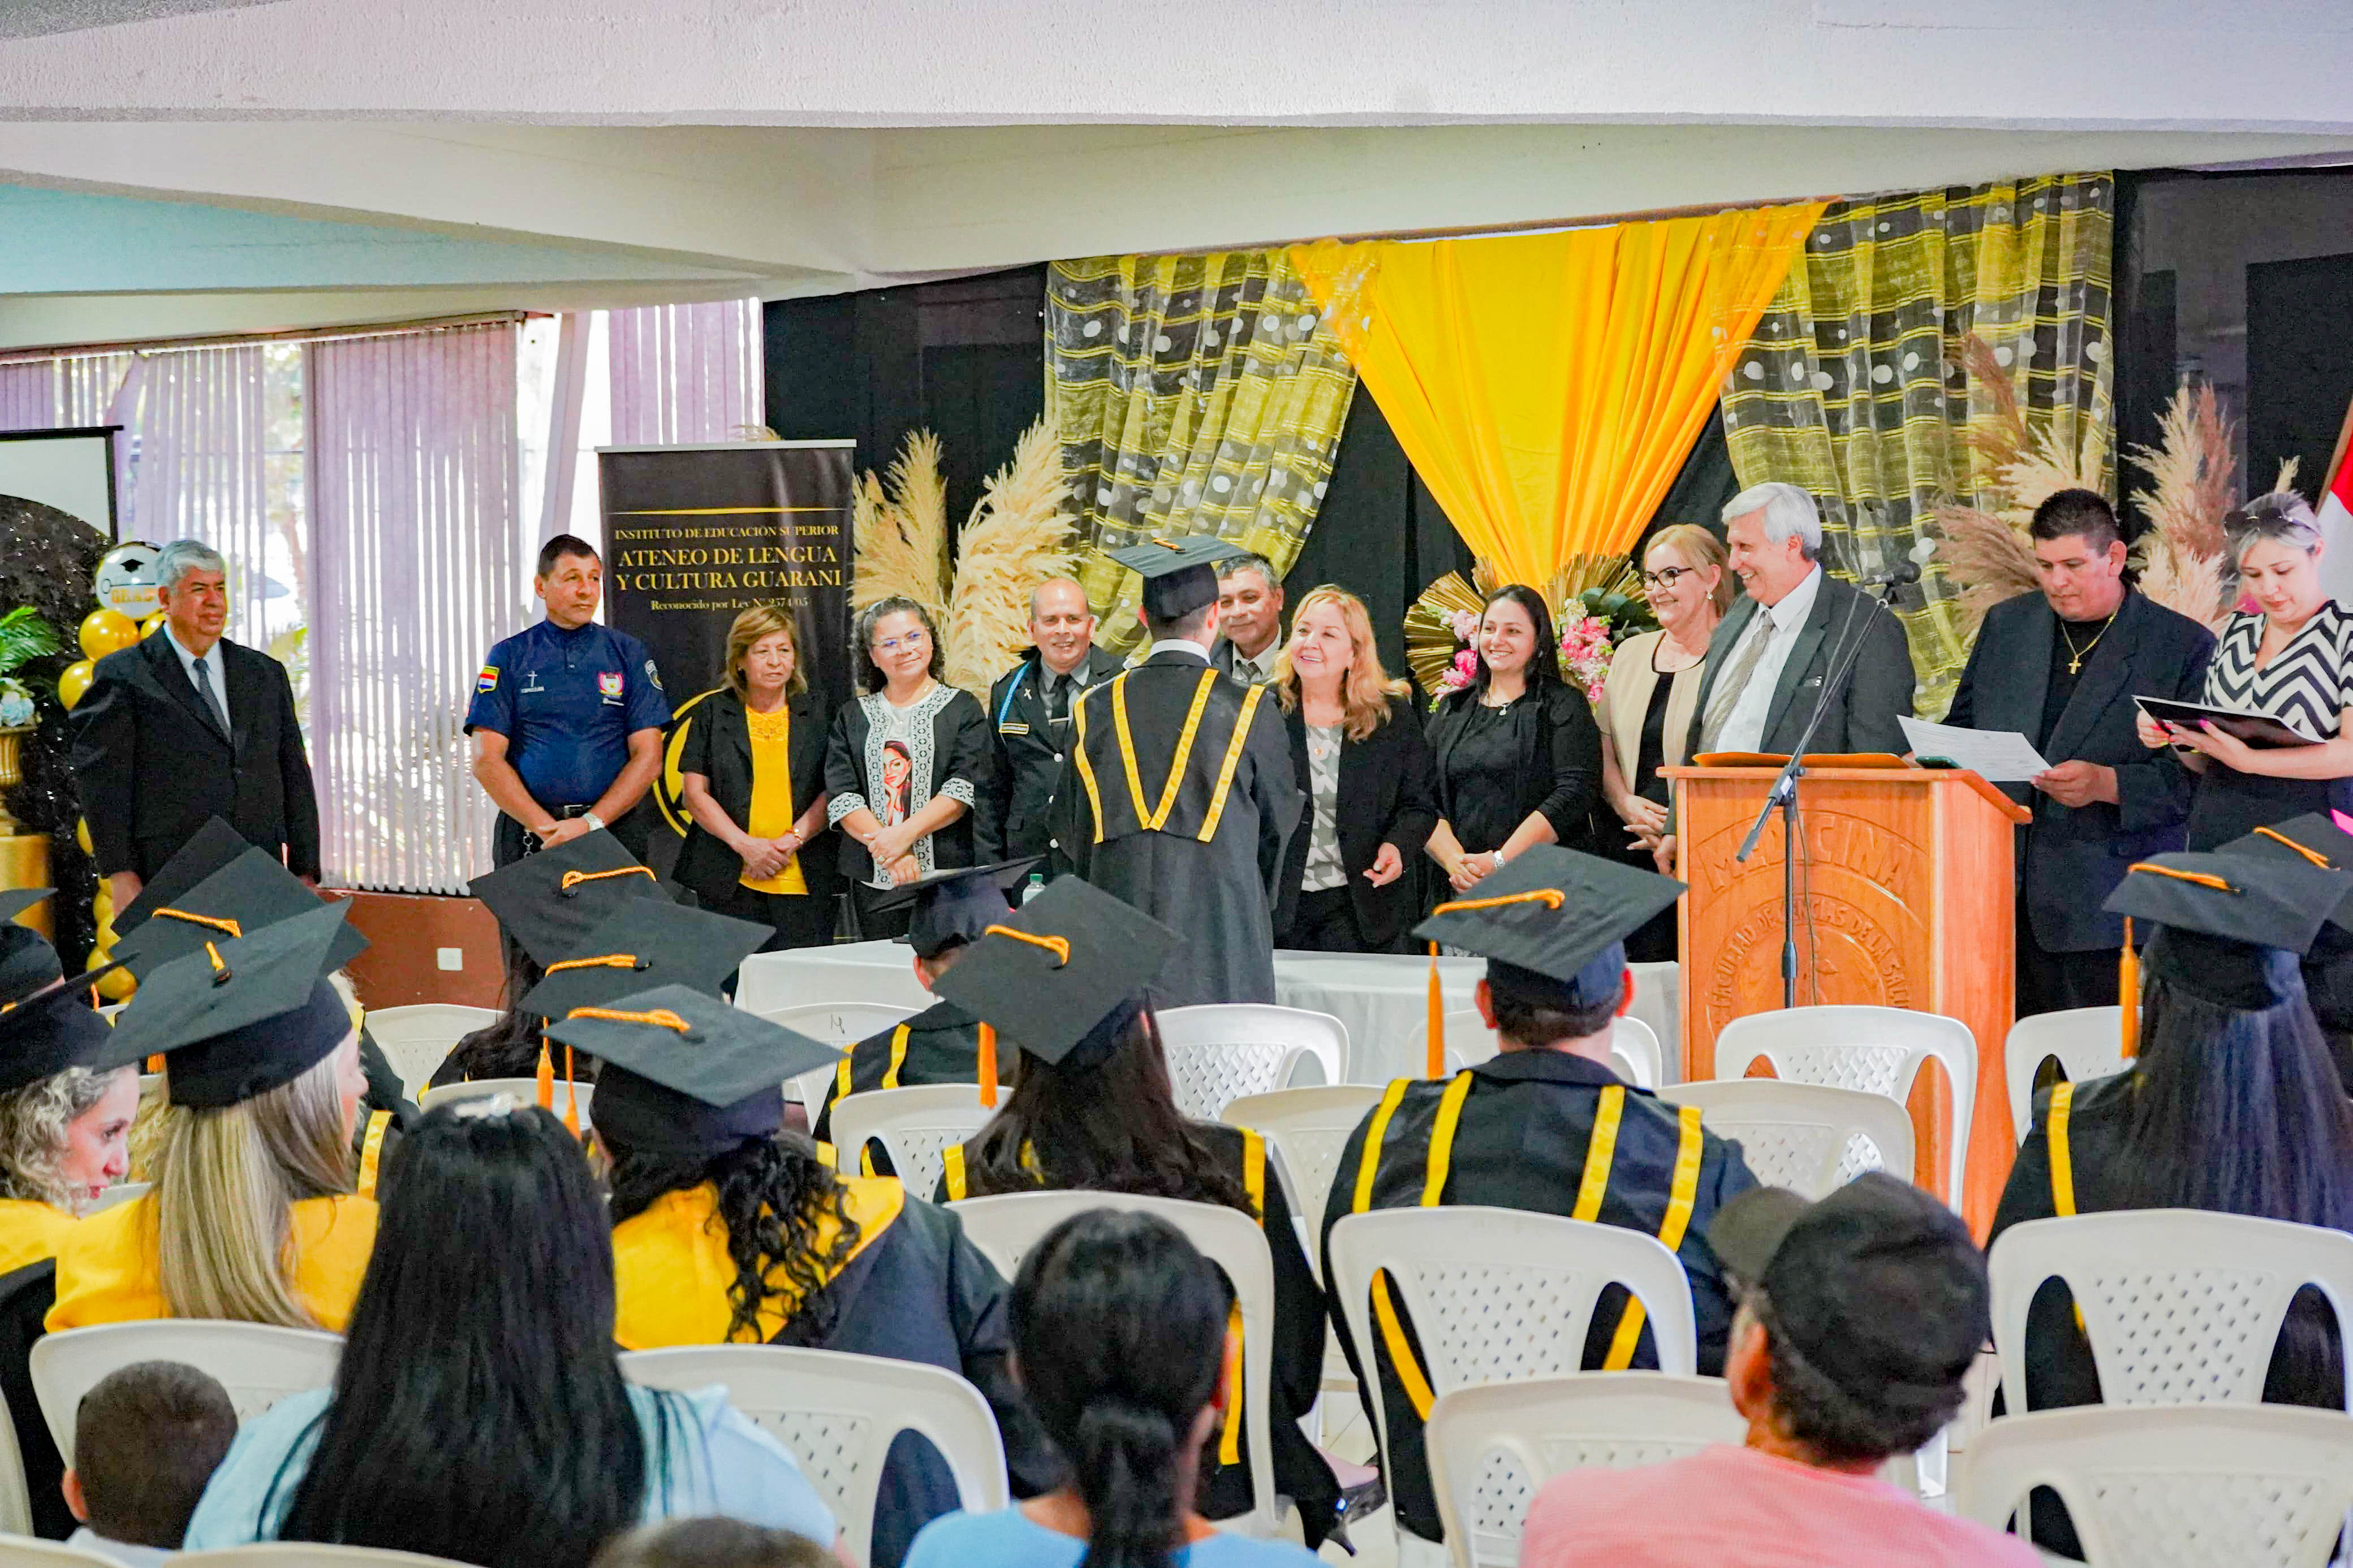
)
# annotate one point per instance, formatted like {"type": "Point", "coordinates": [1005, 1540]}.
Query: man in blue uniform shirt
{"type": "Point", "coordinates": [567, 718]}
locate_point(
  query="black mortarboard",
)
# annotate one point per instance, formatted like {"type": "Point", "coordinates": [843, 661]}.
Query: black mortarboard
{"type": "Point", "coordinates": [1069, 977]}
{"type": "Point", "coordinates": [641, 944]}
{"type": "Point", "coordinates": [209, 848]}
{"type": "Point", "coordinates": [957, 904]}
{"type": "Point", "coordinates": [2312, 840]}
{"type": "Point", "coordinates": [241, 1015]}
{"type": "Point", "coordinates": [2232, 927]}
{"type": "Point", "coordinates": [1179, 571]}
{"type": "Point", "coordinates": [694, 1090]}
{"type": "Point", "coordinates": [14, 901]}
{"type": "Point", "coordinates": [1560, 938]}
{"type": "Point", "coordinates": [550, 902]}
{"type": "Point", "coordinates": [253, 890]}
{"type": "Point", "coordinates": [28, 962]}
{"type": "Point", "coordinates": [49, 1030]}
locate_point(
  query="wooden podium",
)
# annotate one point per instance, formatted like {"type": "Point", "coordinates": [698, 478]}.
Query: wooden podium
{"type": "Point", "coordinates": [1906, 900]}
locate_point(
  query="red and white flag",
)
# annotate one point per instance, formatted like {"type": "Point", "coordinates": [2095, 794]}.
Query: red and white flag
{"type": "Point", "coordinates": [2336, 521]}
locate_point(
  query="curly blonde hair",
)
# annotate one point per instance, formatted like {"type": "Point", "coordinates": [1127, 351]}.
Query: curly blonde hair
{"type": "Point", "coordinates": [33, 1122]}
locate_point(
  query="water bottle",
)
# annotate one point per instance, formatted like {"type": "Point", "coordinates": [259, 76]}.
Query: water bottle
{"type": "Point", "coordinates": [1036, 885]}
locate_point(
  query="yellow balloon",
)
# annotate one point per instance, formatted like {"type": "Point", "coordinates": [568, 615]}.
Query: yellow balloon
{"type": "Point", "coordinates": [106, 931]}
{"type": "Point", "coordinates": [118, 987]}
{"type": "Point", "coordinates": [81, 836]}
{"type": "Point", "coordinates": [107, 631]}
{"type": "Point", "coordinates": [152, 624]}
{"type": "Point", "coordinates": [74, 681]}
{"type": "Point", "coordinates": [101, 905]}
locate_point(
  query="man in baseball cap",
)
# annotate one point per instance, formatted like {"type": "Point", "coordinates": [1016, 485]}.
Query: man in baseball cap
{"type": "Point", "coordinates": [1858, 1316]}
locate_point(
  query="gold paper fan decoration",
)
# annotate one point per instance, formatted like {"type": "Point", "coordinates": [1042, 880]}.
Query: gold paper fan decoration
{"type": "Point", "coordinates": [1588, 582]}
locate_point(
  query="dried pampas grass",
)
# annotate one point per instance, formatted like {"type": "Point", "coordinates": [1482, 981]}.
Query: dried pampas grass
{"type": "Point", "coordinates": [1986, 555]}
{"type": "Point", "coordinates": [2189, 470]}
{"type": "Point", "coordinates": [1015, 540]}
{"type": "Point", "coordinates": [901, 531]}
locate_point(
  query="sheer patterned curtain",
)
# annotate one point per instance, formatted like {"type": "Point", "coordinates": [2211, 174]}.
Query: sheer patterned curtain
{"type": "Point", "coordinates": [686, 372]}
{"type": "Point", "coordinates": [413, 490]}
{"type": "Point", "coordinates": [29, 394]}
{"type": "Point", "coordinates": [195, 443]}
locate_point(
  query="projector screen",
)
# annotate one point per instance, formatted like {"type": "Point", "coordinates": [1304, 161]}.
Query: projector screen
{"type": "Point", "coordinates": [72, 470]}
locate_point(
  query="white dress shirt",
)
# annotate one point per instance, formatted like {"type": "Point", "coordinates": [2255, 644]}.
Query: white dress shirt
{"type": "Point", "coordinates": [215, 668]}
{"type": "Point", "coordinates": [1744, 729]}
{"type": "Point", "coordinates": [1177, 644]}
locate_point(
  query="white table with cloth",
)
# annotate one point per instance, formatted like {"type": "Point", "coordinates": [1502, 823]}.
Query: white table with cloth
{"type": "Point", "coordinates": [1381, 999]}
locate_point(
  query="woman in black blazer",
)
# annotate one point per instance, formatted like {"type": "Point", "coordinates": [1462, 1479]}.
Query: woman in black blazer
{"type": "Point", "coordinates": [752, 774]}
{"type": "Point", "coordinates": [903, 764]}
{"type": "Point", "coordinates": [1518, 753]}
{"type": "Point", "coordinates": [1362, 761]}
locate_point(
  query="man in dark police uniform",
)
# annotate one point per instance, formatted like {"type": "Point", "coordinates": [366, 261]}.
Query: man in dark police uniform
{"type": "Point", "coordinates": [1179, 795]}
{"type": "Point", "coordinates": [1545, 1126]}
{"type": "Point", "coordinates": [567, 718]}
{"type": "Point", "coordinates": [1029, 718]}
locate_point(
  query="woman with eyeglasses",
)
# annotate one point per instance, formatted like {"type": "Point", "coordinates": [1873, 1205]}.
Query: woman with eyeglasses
{"type": "Point", "coordinates": [2290, 657]}
{"type": "Point", "coordinates": [903, 762]}
{"type": "Point", "coordinates": [1646, 708]}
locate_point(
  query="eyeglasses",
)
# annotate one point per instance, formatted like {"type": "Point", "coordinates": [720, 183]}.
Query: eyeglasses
{"type": "Point", "coordinates": [1665, 577]}
{"type": "Point", "coordinates": [893, 645]}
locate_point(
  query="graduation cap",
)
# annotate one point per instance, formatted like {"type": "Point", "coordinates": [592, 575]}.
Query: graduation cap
{"type": "Point", "coordinates": [253, 890]}
{"type": "Point", "coordinates": [551, 901]}
{"type": "Point", "coordinates": [957, 904]}
{"type": "Point", "coordinates": [240, 1016]}
{"type": "Point", "coordinates": [209, 848]}
{"type": "Point", "coordinates": [1552, 925]}
{"type": "Point", "coordinates": [2312, 839]}
{"type": "Point", "coordinates": [28, 962]}
{"type": "Point", "coordinates": [2231, 927]}
{"type": "Point", "coordinates": [1180, 573]}
{"type": "Point", "coordinates": [1061, 978]}
{"type": "Point", "coordinates": [687, 1075]}
{"type": "Point", "coordinates": [49, 1030]}
{"type": "Point", "coordinates": [642, 944]}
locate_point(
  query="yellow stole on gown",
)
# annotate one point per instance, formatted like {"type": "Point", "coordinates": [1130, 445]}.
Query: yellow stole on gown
{"type": "Point", "coordinates": [671, 1270]}
{"type": "Point", "coordinates": [108, 1271]}
{"type": "Point", "coordinates": [30, 1230]}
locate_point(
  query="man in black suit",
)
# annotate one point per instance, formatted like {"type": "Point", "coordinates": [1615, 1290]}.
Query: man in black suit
{"type": "Point", "coordinates": [1770, 656]}
{"type": "Point", "coordinates": [1030, 724]}
{"type": "Point", "coordinates": [1250, 619]}
{"type": "Point", "coordinates": [188, 726]}
{"type": "Point", "coordinates": [2061, 668]}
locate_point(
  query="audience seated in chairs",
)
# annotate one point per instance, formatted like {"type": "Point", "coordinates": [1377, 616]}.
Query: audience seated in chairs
{"type": "Point", "coordinates": [65, 1125]}
{"type": "Point", "coordinates": [146, 1439]}
{"type": "Point", "coordinates": [1119, 1326]}
{"type": "Point", "coordinates": [1858, 1317]}
{"type": "Point", "coordinates": [479, 1412]}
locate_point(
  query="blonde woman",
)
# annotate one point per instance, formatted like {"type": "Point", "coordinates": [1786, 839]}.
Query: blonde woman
{"type": "Point", "coordinates": [252, 1216]}
{"type": "Point", "coordinates": [65, 1123]}
{"type": "Point", "coordinates": [1647, 705]}
{"type": "Point", "coordinates": [753, 772]}
{"type": "Point", "coordinates": [1372, 797]}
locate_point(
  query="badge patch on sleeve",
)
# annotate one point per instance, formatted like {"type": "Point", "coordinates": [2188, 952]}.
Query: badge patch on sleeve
{"type": "Point", "coordinates": [488, 679]}
{"type": "Point", "coordinates": [653, 675]}
{"type": "Point", "coordinates": [608, 683]}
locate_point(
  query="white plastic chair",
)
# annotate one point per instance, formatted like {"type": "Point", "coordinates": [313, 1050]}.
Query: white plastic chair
{"type": "Point", "coordinates": [1807, 1137]}
{"type": "Point", "coordinates": [1491, 1446]}
{"type": "Point", "coordinates": [1309, 1128]}
{"type": "Point", "coordinates": [1501, 1295]}
{"type": "Point", "coordinates": [15, 1491]}
{"type": "Point", "coordinates": [1222, 1050]}
{"type": "Point", "coordinates": [257, 1364]}
{"type": "Point", "coordinates": [1634, 1052]}
{"type": "Point", "coordinates": [1468, 1041]}
{"type": "Point", "coordinates": [1006, 1227]}
{"type": "Point", "coordinates": [837, 1412]}
{"type": "Point", "coordinates": [1879, 1051]}
{"type": "Point", "coordinates": [2246, 1486]}
{"type": "Point", "coordinates": [915, 1126]}
{"type": "Point", "coordinates": [120, 1193]}
{"type": "Point", "coordinates": [18, 1550]}
{"type": "Point", "coordinates": [2087, 1043]}
{"type": "Point", "coordinates": [838, 1024]}
{"type": "Point", "coordinates": [307, 1554]}
{"type": "Point", "coordinates": [2181, 1306]}
{"type": "Point", "coordinates": [416, 1039]}
{"type": "Point", "coordinates": [525, 1091]}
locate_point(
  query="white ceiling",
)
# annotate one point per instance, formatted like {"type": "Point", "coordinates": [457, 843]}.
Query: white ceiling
{"type": "Point", "coordinates": [310, 161]}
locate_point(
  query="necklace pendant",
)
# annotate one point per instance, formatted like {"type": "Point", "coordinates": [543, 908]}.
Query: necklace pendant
{"type": "Point", "coordinates": [2074, 666]}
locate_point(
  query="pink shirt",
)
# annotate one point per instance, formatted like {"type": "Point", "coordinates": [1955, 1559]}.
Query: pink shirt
{"type": "Point", "coordinates": [1736, 1508]}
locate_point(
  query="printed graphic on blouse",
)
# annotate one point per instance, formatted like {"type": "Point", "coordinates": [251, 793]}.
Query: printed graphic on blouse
{"type": "Point", "coordinates": [2304, 687]}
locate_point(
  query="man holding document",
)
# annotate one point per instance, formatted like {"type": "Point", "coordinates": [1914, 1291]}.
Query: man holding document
{"type": "Point", "coordinates": [2060, 669]}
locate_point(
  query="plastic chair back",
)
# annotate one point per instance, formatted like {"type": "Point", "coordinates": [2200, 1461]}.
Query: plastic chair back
{"type": "Point", "coordinates": [841, 1024]}
{"type": "Point", "coordinates": [15, 1491]}
{"type": "Point", "coordinates": [258, 1363]}
{"type": "Point", "coordinates": [1493, 1445]}
{"type": "Point", "coordinates": [120, 1193]}
{"type": "Point", "coordinates": [1879, 1051]}
{"type": "Point", "coordinates": [2087, 1043]}
{"type": "Point", "coordinates": [2252, 1486]}
{"type": "Point", "coordinates": [837, 1412]}
{"type": "Point", "coordinates": [525, 1090]}
{"type": "Point", "coordinates": [1805, 1136]}
{"type": "Point", "coordinates": [1221, 1051]}
{"type": "Point", "coordinates": [915, 1126]}
{"type": "Point", "coordinates": [1006, 1227]}
{"type": "Point", "coordinates": [416, 1039]}
{"type": "Point", "coordinates": [2181, 1306]}
{"type": "Point", "coordinates": [19, 1550]}
{"type": "Point", "coordinates": [1468, 1041]}
{"type": "Point", "coordinates": [1308, 1128]}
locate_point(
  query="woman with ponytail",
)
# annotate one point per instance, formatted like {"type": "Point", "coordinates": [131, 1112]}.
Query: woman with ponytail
{"type": "Point", "coordinates": [1119, 1338]}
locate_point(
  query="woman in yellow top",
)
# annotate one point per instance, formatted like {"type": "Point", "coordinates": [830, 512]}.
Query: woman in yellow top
{"type": "Point", "coordinates": [752, 770]}
{"type": "Point", "coordinates": [64, 1127]}
{"type": "Point", "coordinates": [251, 1216]}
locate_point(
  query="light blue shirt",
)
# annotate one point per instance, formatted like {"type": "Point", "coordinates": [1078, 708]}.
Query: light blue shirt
{"type": "Point", "coordinates": [1008, 1540]}
{"type": "Point", "coordinates": [720, 1463]}
{"type": "Point", "coordinates": [216, 665]}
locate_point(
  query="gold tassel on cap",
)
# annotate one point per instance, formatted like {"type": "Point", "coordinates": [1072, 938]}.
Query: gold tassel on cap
{"type": "Point", "coordinates": [571, 1094]}
{"type": "Point", "coordinates": [986, 1072]}
{"type": "Point", "coordinates": [1436, 1065]}
{"type": "Point", "coordinates": [2128, 992]}
{"type": "Point", "coordinates": [546, 1075]}
{"type": "Point", "coordinates": [1550, 898]}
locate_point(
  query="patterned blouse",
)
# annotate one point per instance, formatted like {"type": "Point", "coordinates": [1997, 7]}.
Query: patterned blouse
{"type": "Point", "coordinates": [908, 731]}
{"type": "Point", "coordinates": [2309, 684]}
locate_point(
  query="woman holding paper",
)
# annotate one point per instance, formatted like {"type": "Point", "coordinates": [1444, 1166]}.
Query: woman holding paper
{"type": "Point", "coordinates": [2290, 658]}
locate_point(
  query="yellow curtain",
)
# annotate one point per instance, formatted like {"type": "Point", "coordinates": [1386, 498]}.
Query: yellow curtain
{"type": "Point", "coordinates": [1547, 387]}
{"type": "Point", "coordinates": [1192, 394]}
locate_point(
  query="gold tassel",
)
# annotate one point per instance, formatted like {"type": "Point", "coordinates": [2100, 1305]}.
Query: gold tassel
{"type": "Point", "coordinates": [571, 1094]}
{"type": "Point", "coordinates": [2128, 992]}
{"type": "Point", "coordinates": [546, 1075]}
{"type": "Point", "coordinates": [987, 1069]}
{"type": "Point", "coordinates": [1436, 1024]}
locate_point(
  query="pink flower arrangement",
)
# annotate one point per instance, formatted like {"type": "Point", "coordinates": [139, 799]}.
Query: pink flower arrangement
{"type": "Point", "coordinates": [1585, 653]}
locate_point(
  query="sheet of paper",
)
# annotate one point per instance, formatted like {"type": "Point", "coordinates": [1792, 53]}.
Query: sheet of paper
{"type": "Point", "coordinates": [1998, 756]}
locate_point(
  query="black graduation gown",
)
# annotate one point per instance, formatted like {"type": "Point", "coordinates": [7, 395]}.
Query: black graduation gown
{"type": "Point", "coordinates": [1209, 864]}
{"type": "Point", "coordinates": [1301, 1473]}
{"type": "Point", "coordinates": [27, 1295]}
{"type": "Point", "coordinates": [1521, 1136]}
{"type": "Point", "coordinates": [939, 1045]}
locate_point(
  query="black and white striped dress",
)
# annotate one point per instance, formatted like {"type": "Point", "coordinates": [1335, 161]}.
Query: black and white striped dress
{"type": "Point", "coordinates": [2307, 687]}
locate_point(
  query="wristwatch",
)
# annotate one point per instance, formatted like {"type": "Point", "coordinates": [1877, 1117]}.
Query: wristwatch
{"type": "Point", "coordinates": [595, 823]}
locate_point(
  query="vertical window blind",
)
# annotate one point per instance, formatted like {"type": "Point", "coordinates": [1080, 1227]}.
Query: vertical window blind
{"type": "Point", "coordinates": [686, 372]}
